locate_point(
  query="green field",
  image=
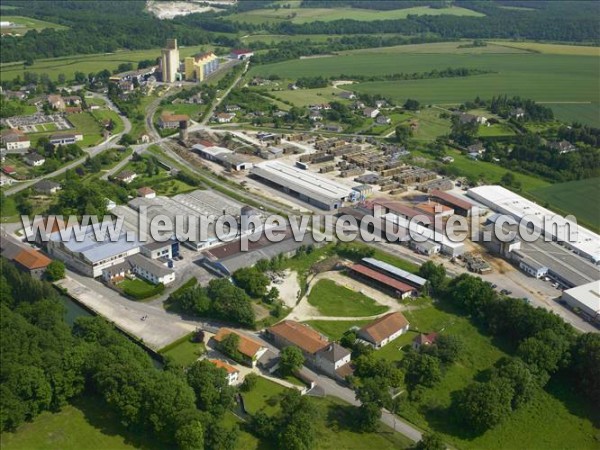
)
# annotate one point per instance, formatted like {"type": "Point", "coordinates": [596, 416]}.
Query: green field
{"type": "Point", "coordinates": [332, 299]}
{"type": "Point", "coordinates": [545, 423]}
{"type": "Point", "coordinates": [587, 113]}
{"type": "Point", "coordinates": [88, 126]}
{"type": "Point", "coordinates": [88, 63]}
{"type": "Point", "coordinates": [574, 197]}
{"type": "Point", "coordinates": [304, 15]}
{"type": "Point", "coordinates": [86, 423]}
{"type": "Point", "coordinates": [555, 49]}
{"type": "Point", "coordinates": [24, 24]}
{"type": "Point", "coordinates": [542, 77]}
{"type": "Point", "coordinates": [334, 425]}
{"type": "Point", "coordinates": [334, 329]}
{"type": "Point", "coordinates": [184, 352]}
{"type": "Point", "coordinates": [105, 114]}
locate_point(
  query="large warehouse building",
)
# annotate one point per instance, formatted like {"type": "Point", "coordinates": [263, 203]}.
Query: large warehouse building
{"type": "Point", "coordinates": [307, 186]}
{"type": "Point", "coordinates": [585, 242]}
{"type": "Point", "coordinates": [586, 298]}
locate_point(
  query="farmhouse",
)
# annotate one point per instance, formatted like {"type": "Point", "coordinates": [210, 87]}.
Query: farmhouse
{"type": "Point", "coordinates": [347, 95]}
{"type": "Point", "coordinates": [562, 147]}
{"type": "Point", "coordinates": [169, 120]}
{"type": "Point", "coordinates": [383, 120]}
{"type": "Point", "coordinates": [126, 176]}
{"type": "Point", "coordinates": [307, 186]}
{"type": "Point", "coordinates": [32, 262]}
{"type": "Point", "coordinates": [469, 118]}
{"type": "Point", "coordinates": [316, 348]}
{"type": "Point", "coordinates": [46, 187]}
{"type": "Point", "coordinates": [15, 141]}
{"type": "Point", "coordinates": [250, 349]}
{"type": "Point", "coordinates": [383, 330]}
{"type": "Point", "coordinates": [56, 102]}
{"type": "Point", "coordinates": [232, 372]}
{"type": "Point", "coordinates": [224, 117]}
{"type": "Point", "coordinates": [371, 112]}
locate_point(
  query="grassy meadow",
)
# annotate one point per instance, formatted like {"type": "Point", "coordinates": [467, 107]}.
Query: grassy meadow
{"type": "Point", "coordinates": [332, 299]}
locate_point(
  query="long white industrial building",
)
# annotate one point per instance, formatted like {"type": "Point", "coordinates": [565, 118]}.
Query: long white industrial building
{"type": "Point", "coordinates": [307, 186]}
{"type": "Point", "coordinates": [585, 242]}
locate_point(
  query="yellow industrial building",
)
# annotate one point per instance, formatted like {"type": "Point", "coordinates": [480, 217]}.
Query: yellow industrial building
{"type": "Point", "coordinates": [198, 67]}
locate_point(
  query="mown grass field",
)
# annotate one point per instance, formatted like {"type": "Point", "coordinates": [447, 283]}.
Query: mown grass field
{"type": "Point", "coordinates": [564, 79]}
{"type": "Point", "coordinates": [184, 352]}
{"type": "Point", "coordinates": [88, 63]}
{"type": "Point", "coordinates": [27, 23]}
{"type": "Point", "coordinates": [545, 423]}
{"type": "Point", "coordinates": [588, 113]}
{"type": "Point", "coordinates": [304, 15]}
{"type": "Point", "coordinates": [332, 299]}
{"type": "Point", "coordinates": [574, 197]}
{"type": "Point", "coordinates": [85, 423]}
{"type": "Point", "coordinates": [335, 329]}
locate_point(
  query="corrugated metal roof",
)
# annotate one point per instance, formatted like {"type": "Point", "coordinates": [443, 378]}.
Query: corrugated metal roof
{"type": "Point", "coordinates": [411, 278]}
{"type": "Point", "coordinates": [382, 278]}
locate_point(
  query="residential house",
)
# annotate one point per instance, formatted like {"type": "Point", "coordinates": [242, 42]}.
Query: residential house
{"type": "Point", "coordinates": [32, 261]}
{"type": "Point", "coordinates": [126, 176]}
{"type": "Point", "coordinates": [447, 159]}
{"type": "Point", "coordinates": [34, 159]}
{"type": "Point", "coordinates": [371, 112]}
{"type": "Point", "coordinates": [315, 116]}
{"type": "Point", "coordinates": [232, 373]}
{"type": "Point", "coordinates": [383, 120]}
{"type": "Point", "coordinates": [232, 108]}
{"type": "Point", "coordinates": [476, 148]}
{"type": "Point", "coordinates": [347, 95]}
{"type": "Point", "coordinates": [56, 102]}
{"type": "Point", "coordinates": [15, 141]}
{"type": "Point", "coordinates": [72, 100]}
{"type": "Point", "coordinates": [469, 118]}
{"type": "Point", "coordinates": [383, 330]}
{"type": "Point", "coordinates": [380, 103]}
{"type": "Point", "coordinates": [562, 147]}
{"type": "Point", "coordinates": [9, 170]}
{"type": "Point", "coordinates": [517, 113]}
{"type": "Point", "coordinates": [249, 349]}
{"type": "Point", "coordinates": [334, 360]}
{"type": "Point", "coordinates": [146, 192]}
{"type": "Point", "coordinates": [424, 340]}
{"type": "Point", "coordinates": [225, 117]}
{"type": "Point", "coordinates": [46, 187]}
{"type": "Point", "coordinates": [169, 120]}
{"type": "Point", "coordinates": [5, 181]}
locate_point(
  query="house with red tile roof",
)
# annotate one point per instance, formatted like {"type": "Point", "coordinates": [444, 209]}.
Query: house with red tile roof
{"type": "Point", "coordinates": [383, 330]}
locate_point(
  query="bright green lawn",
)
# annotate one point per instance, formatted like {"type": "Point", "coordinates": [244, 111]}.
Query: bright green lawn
{"type": "Point", "coordinates": [184, 353]}
{"type": "Point", "coordinates": [546, 423]}
{"type": "Point", "coordinates": [86, 124]}
{"type": "Point", "coordinates": [86, 423]}
{"type": "Point", "coordinates": [137, 287]}
{"type": "Point", "coordinates": [104, 114]}
{"type": "Point", "coordinates": [334, 329]}
{"type": "Point", "coordinates": [573, 197]}
{"type": "Point", "coordinates": [304, 15]}
{"type": "Point", "coordinates": [332, 299]}
{"type": "Point", "coordinates": [263, 397]}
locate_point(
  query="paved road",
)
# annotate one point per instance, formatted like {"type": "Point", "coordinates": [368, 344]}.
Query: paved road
{"type": "Point", "coordinates": [91, 151]}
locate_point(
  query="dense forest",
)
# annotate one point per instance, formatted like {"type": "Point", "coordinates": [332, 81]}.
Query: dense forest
{"type": "Point", "coordinates": [106, 26]}
{"type": "Point", "coordinates": [44, 364]}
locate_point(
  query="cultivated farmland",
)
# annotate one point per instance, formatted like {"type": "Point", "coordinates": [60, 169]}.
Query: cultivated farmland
{"type": "Point", "coordinates": [554, 79]}
{"type": "Point", "coordinates": [304, 15]}
{"type": "Point", "coordinates": [574, 197]}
